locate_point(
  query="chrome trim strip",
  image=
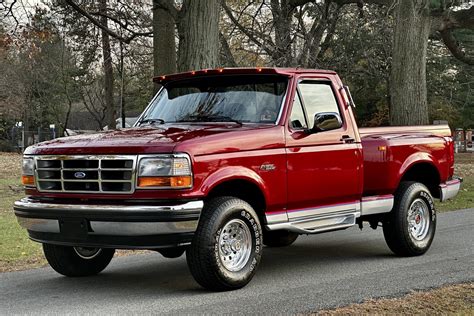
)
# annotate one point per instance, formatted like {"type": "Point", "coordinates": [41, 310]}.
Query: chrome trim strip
{"type": "Point", "coordinates": [142, 228]}
{"type": "Point", "coordinates": [322, 210]}
{"type": "Point", "coordinates": [26, 203]}
{"type": "Point", "coordinates": [449, 189]}
{"type": "Point", "coordinates": [114, 228]}
{"type": "Point", "coordinates": [276, 217]}
{"type": "Point", "coordinates": [39, 224]}
{"type": "Point", "coordinates": [377, 204]}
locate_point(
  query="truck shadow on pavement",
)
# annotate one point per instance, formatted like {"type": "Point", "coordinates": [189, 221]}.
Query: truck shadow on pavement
{"type": "Point", "coordinates": [151, 275]}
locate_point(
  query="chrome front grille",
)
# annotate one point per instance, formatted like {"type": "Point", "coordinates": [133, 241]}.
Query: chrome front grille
{"type": "Point", "coordinates": [86, 174]}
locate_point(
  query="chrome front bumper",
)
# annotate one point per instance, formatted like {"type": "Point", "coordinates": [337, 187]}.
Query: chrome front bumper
{"type": "Point", "coordinates": [127, 226]}
{"type": "Point", "coordinates": [450, 189]}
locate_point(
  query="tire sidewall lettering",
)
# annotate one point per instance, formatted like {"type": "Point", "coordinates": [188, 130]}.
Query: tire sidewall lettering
{"type": "Point", "coordinates": [425, 196]}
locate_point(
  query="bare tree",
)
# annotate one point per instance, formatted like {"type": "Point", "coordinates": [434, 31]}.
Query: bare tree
{"type": "Point", "coordinates": [111, 112]}
{"type": "Point", "coordinates": [292, 33]}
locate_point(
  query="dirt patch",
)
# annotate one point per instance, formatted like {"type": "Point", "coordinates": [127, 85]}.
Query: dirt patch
{"type": "Point", "coordinates": [449, 300]}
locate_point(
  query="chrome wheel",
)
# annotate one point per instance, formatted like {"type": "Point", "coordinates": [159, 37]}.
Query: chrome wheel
{"type": "Point", "coordinates": [87, 252]}
{"type": "Point", "coordinates": [235, 245]}
{"type": "Point", "coordinates": [418, 219]}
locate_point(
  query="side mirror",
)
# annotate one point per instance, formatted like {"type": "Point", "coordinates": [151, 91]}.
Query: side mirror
{"type": "Point", "coordinates": [326, 121]}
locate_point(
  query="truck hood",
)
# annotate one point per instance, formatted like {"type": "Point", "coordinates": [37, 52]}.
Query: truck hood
{"type": "Point", "coordinates": [140, 140]}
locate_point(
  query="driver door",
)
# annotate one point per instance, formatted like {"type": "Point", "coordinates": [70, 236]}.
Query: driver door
{"type": "Point", "coordinates": [323, 166]}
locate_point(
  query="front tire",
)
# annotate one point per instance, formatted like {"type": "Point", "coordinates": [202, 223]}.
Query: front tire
{"type": "Point", "coordinates": [410, 227]}
{"type": "Point", "coordinates": [226, 248]}
{"type": "Point", "coordinates": [77, 261]}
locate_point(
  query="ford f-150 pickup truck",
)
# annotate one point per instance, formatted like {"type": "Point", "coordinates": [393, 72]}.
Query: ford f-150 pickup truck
{"type": "Point", "coordinates": [225, 161]}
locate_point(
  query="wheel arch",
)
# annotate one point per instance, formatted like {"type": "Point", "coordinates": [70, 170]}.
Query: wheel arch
{"type": "Point", "coordinates": [423, 171]}
{"type": "Point", "coordinates": [243, 184]}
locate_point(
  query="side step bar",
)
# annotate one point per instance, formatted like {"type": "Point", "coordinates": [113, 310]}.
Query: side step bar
{"type": "Point", "coordinates": [329, 217]}
{"type": "Point", "coordinates": [318, 224]}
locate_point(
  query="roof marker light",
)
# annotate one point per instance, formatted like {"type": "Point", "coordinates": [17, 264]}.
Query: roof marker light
{"type": "Point", "coordinates": [220, 69]}
{"type": "Point", "coordinates": [259, 69]}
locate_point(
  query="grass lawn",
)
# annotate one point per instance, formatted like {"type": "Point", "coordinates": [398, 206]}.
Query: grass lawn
{"type": "Point", "coordinates": [17, 252]}
{"type": "Point", "coordinates": [464, 168]}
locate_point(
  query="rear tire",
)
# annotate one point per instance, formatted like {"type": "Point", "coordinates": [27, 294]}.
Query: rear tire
{"type": "Point", "coordinates": [226, 248]}
{"type": "Point", "coordinates": [410, 227]}
{"type": "Point", "coordinates": [279, 238]}
{"type": "Point", "coordinates": [77, 261]}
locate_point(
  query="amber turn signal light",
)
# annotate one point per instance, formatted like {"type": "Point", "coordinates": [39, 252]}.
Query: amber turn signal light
{"type": "Point", "coordinates": [28, 180]}
{"type": "Point", "coordinates": [165, 182]}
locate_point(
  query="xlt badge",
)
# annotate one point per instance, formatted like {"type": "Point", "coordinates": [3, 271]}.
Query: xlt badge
{"type": "Point", "coordinates": [267, 167]}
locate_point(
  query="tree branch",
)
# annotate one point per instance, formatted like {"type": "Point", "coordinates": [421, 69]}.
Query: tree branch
{"type": "Point", "coordinates": [94, 21]}
{"type": "Point", "coordinates": [120, 23]}
{"type": "Point", "coordinates": [452, 44]}
{"type": "Point", "coordinates": [266, 44]}
{"type": "Point", "coordinates": [226, 53]}
{"type": "Point", "coordinates": [459, 19]}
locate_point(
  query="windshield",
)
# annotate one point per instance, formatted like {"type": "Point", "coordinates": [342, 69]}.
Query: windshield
{"type": "Point", "coordinates": [239, 99]}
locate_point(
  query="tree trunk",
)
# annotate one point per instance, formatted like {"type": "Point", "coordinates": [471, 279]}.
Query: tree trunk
{"type": "Point", "coordinates": [111, 112]}
{"type": "Point", "coordinates": [282, 16]}
{"type": "Point", "coordinates": [198, 30]}
{"type": "Point", "coordinates": [408, 97]}
{"type": "Point", "coordinates": [164, 42]}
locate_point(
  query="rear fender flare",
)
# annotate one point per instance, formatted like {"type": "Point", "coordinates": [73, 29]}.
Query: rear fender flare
{"type": "Point", "coordinates": [414, 159]}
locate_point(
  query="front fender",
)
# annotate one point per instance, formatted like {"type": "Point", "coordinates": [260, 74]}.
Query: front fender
{"type": "Point", "coordinates": [233, 173]}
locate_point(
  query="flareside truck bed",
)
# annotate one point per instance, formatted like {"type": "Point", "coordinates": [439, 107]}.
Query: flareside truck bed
{"type": "Point", "coordinates": [390, 153]}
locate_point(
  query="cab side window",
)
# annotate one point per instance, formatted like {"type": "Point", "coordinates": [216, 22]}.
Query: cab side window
{"type": "Point", "coordinates": [317, 97]}
{"type": "Point", "coordinates": [297, 117]}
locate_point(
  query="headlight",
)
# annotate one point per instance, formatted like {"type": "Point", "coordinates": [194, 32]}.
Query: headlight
{"type": "Point", "coordinates": [167, 171]}
{"type": "Point", "coordinates": [28, 171]}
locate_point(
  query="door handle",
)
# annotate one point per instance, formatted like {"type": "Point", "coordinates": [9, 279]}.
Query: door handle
{"type": "Point", "coordinates": [347, 139]}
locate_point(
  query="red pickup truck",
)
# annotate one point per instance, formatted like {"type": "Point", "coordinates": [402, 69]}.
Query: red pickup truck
{"type": "Point", "coordinates": [225, 161]}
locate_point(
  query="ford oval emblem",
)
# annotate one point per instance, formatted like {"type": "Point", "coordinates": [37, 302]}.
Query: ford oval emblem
{"type": "Point", "coordinates": [79, 175]}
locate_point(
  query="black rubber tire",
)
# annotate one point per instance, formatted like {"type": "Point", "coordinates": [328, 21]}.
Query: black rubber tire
{"type": "Point", "coordinates": [66, 261]}
{"type": "Point", "coordinates": [279, 238]}
{"type": "Point", "coordinates": [203, 253]}
{"type": "Point", "coordinates": [172, 253]}
{"type": "Point", "coordinates": [395, 226]}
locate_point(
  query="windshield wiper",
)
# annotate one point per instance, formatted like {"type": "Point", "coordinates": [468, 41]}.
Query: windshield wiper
{"type": "Point", "coordinates": [151, 121]}
{"type": "Point", "coordinates": [209, 118]}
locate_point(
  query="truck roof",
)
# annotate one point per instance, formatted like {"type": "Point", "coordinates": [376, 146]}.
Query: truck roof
{"type": "Point", "coordinates": [239, 71]}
